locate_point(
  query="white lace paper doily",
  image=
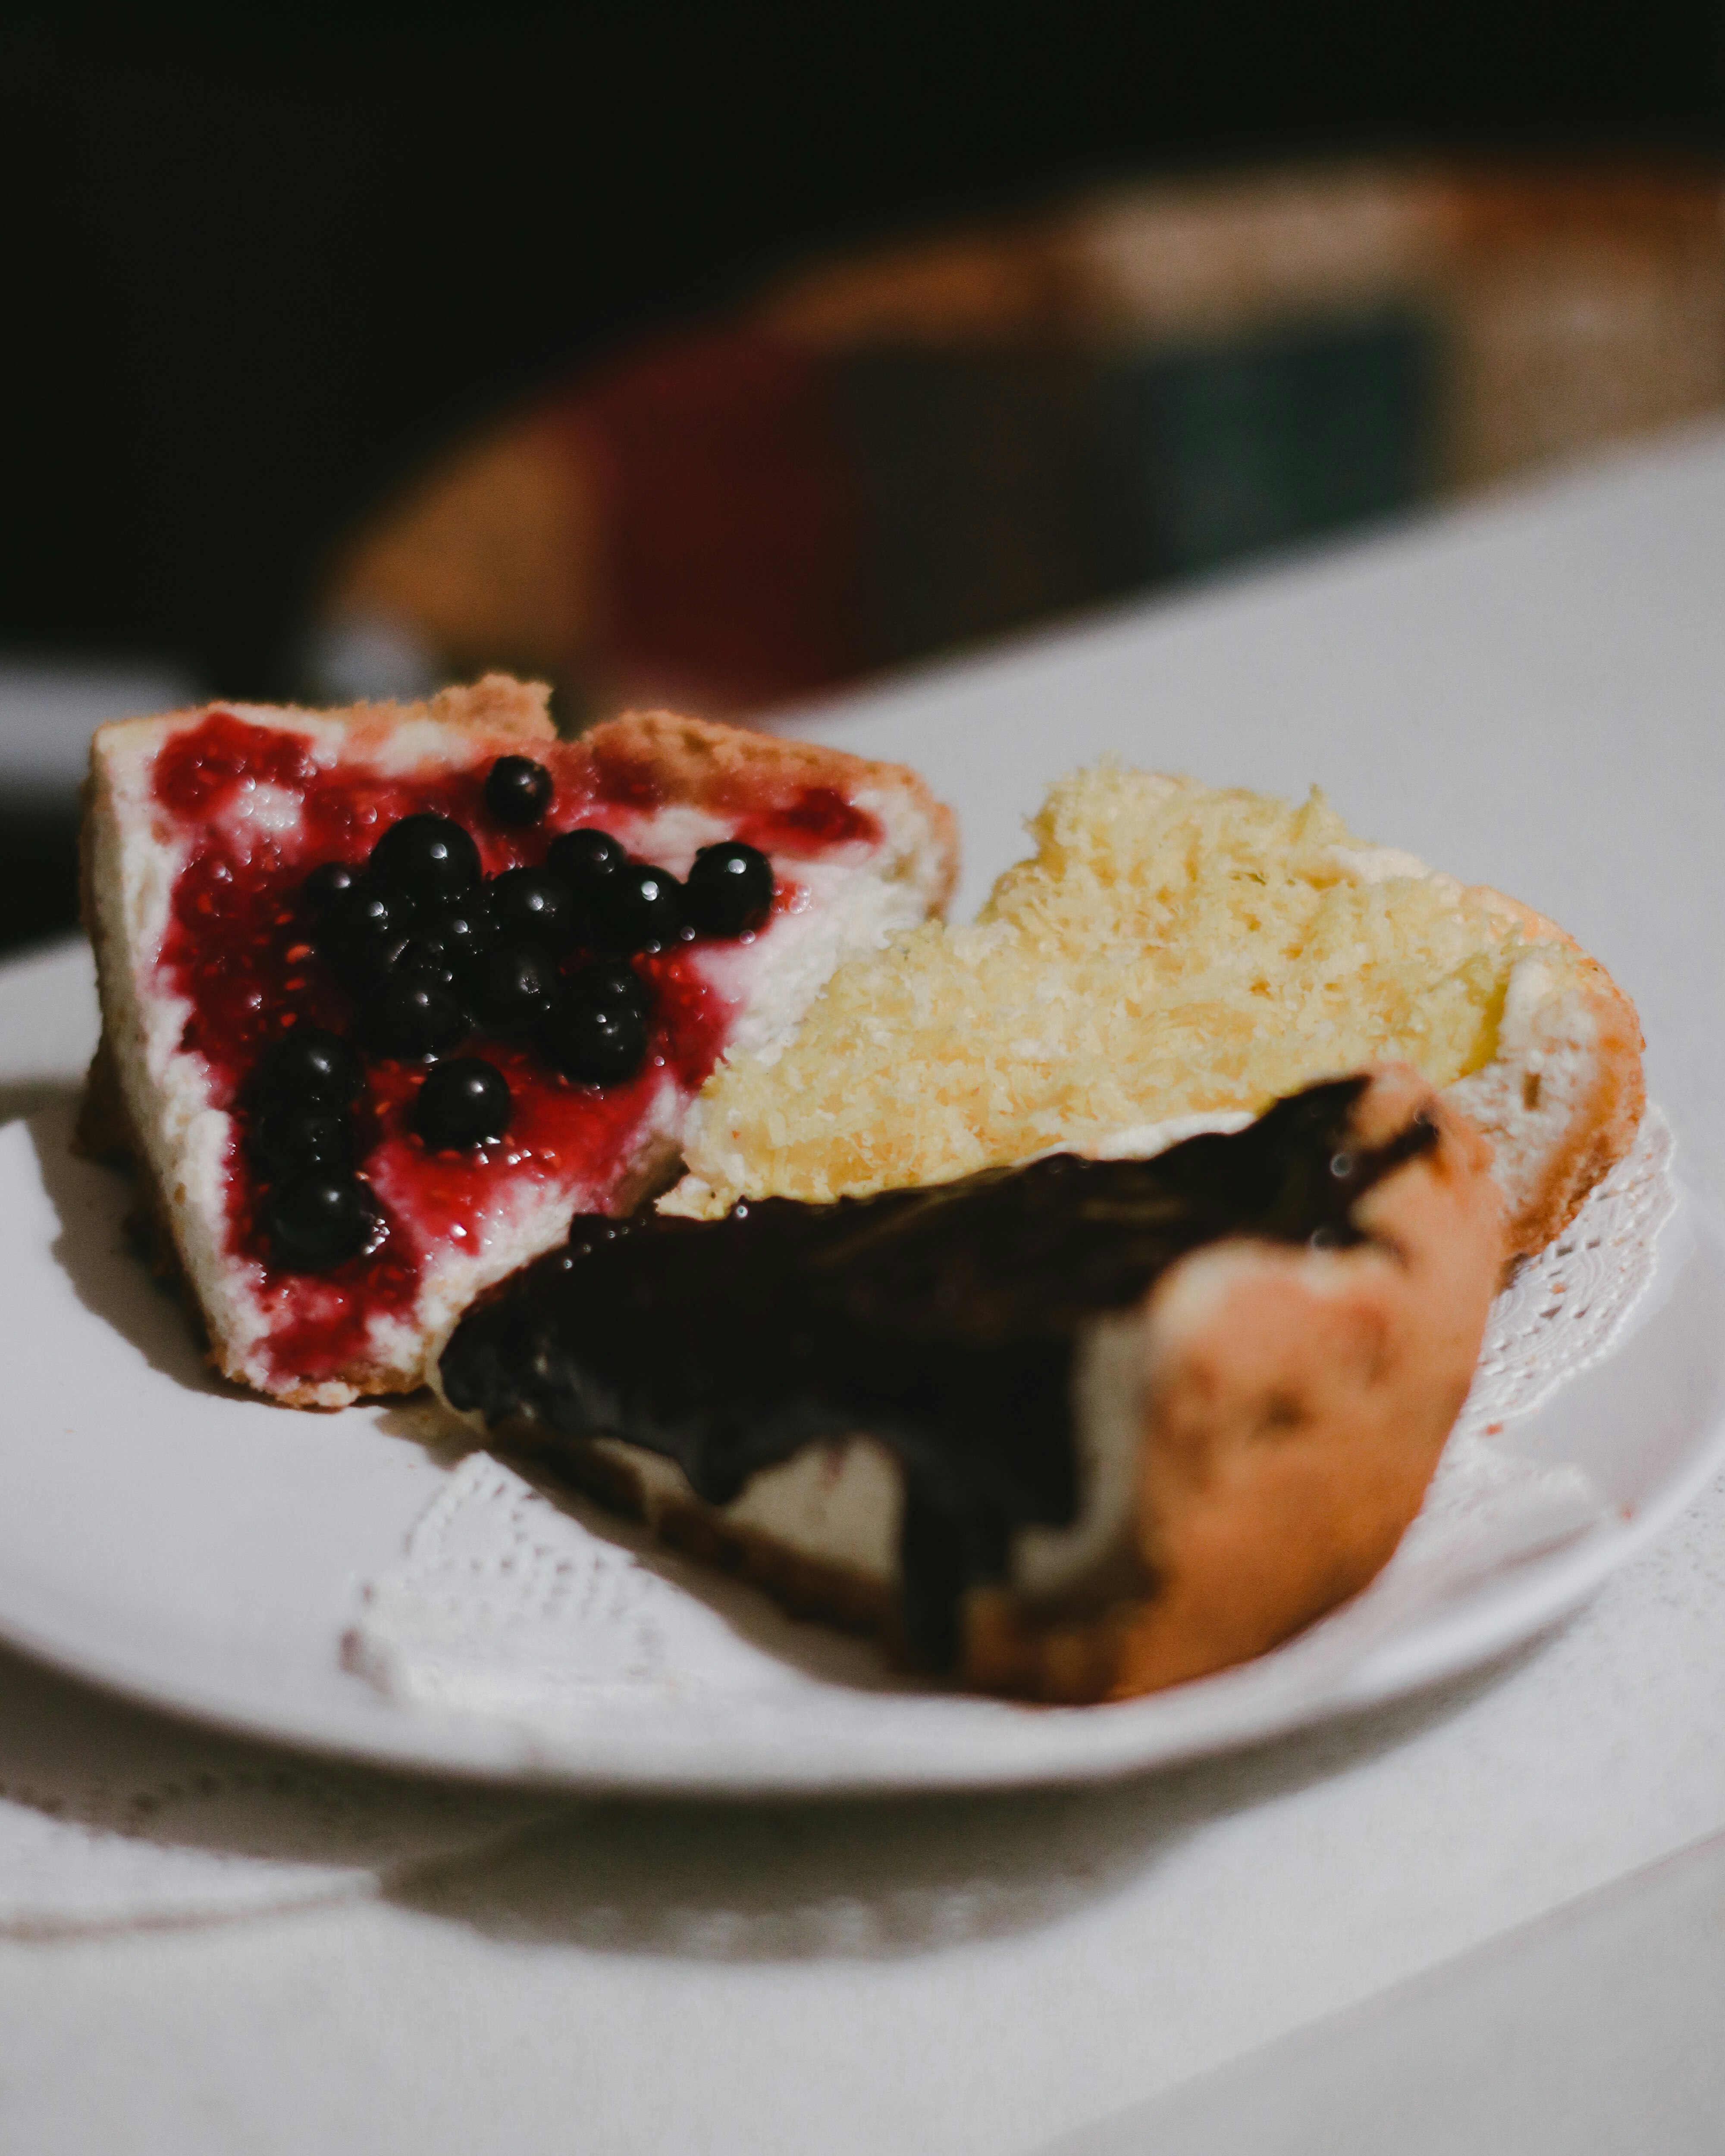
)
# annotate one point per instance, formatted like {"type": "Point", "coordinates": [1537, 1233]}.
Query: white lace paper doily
{"type": "Point", "coordinates": [111, 1817]}
{"type": "Point", "coordinates": [506, 1605]}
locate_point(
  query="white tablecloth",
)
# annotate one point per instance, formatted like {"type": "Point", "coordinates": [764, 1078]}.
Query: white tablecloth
{"type": "Point", "coordinates": [1531, 692]}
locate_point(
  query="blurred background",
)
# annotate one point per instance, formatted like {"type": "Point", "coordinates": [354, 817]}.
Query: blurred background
{"type": "Point", "coordinates": [732, 357]}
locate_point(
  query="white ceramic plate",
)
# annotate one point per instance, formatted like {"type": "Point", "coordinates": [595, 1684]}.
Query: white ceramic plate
{"type": "Point", "coordinates": [207, 1552]}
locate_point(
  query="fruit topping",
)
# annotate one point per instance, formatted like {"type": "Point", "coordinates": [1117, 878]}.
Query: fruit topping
{"type": "Point", "coordinates": [518, 790]}
{"type": "Point", "coordinates": [324, 883]}
{"type": "Point", "coordinates": [512, 991]}
{"type": "Point", "coordinates": [429, 958]}
{"type": "Point", "coordinates": [730, 889]}
{"type": "Point", "coordinates": [462, 925]}
{"type": "Point", "coordinates": [440, 926]}
{"type": "Point", "coordinates": [314, 1220]}
{"type": "Point", "coordinates": [584, 859]}
{"type": "Point", "coordinates": [464, 1103]}
{"type": "Point", "coordinates": [309, 1066]}
{"type": "Point", "coordinates": [287, 1139]}
{"type": "Point", "coordinates": [616, 984]}
{"type": "Point", "coordinates": [636, 907]}
{"type": "Point", "coordinates": [362, 931]}
{"type": "Point", "coordinates": [596, 1030]}
{"type": "Point", "coordinates": [413, 1020]}
{"type": "Point", "coordinates": [427, 856]}
{"type": "Point", "coordinates": [532, 905]}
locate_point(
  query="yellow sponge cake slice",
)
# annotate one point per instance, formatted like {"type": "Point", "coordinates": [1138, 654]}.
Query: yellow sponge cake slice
{"type": "Point", "coordinates": [1173, 951]}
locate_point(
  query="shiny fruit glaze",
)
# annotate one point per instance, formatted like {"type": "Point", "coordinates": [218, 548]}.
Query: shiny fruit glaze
{"type": "Point", "coordinates": [255, 809]}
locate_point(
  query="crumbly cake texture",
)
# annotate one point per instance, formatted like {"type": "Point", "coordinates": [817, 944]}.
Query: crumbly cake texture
{"type": "Point", "coordinates": [1257, 1436]}
{"type": "Point", "coordinates": [1171, 949]}
{"type": "Point", "coordinates": [151, 1102]}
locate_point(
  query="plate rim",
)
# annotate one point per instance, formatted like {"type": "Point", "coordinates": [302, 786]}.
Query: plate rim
{"type": "Point", "coordinates": [1469, 1631]}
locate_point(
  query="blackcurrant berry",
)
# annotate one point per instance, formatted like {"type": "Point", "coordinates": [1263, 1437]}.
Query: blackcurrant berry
{"type": "Point", "coordinates": [430, 959]}
{"type": "Point", "coordinates": [592, 1036]}
{"type": "Point", "coordinates": [614, 984]}
{"type": "Point", "coordinates": [729, 890]}
{"type": "Point", "coordinates": [518, 790]}
{"type": "Point", "coordinates": [531, 905]}
{"type": "Point", "coordinates": [362, 930]}
{"type": "Point", "coordinates": [464, 1102]}
{"type": "Point", "coordinates": [413, 1020]}
{"type": "Point", "coordinates": [512, 990]}
{"type": "Point", "coordinates": [584, 859]}
{"type": "Point", "coordinates": [637, 907]}
{"type": "Point", "coordinates": [307, 1068]}
{"type": "Point", "coordinates": [287, 1139]}
{"type": "Point", "coordinates": [461, 930]}
{"type": "Point", "coordinates": [314, 1220]}
{"type": "Point", "coordinates": [326, 881]}
{"type": "Point", "coordinates": [429, 856]}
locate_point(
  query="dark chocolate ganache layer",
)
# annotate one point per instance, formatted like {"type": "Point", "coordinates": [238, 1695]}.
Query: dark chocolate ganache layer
{"type": "Point", "coordinates": [942, 1321]}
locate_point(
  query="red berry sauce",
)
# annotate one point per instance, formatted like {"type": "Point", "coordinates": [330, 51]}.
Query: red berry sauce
{"type": "Point", "coordinates": [238, 950]}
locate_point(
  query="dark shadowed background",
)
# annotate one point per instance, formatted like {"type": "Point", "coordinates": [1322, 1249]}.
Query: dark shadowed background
{"type": "Point", "coordinates": [260, 262]}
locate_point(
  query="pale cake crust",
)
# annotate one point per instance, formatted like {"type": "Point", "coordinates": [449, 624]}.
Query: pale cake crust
{"type": "Point", "coordinates": [1561, 1101]}
{"type": "Point", "coordinates": [710, 766]}
{"type": "Point", "coordinates": [685, 763]}
{"type": "Point", "coordinates": [1292, 1405]}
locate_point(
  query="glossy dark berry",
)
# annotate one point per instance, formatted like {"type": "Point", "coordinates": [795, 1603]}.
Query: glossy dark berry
{"type": "Point", "coordinates": [614, 984]}
{"type": "Point", "coordinates": [309, 1067]}
{"type": "Point", "coordinates": [362, 930]}
{"type": "Point", "coordinates": [413, 1020]}
{"type": "Point", "coordinates": [593, 1035]}
{"type": "Point", "coordinates": [430, 959]}
{"type": "Point", "coordinates": [464, 1102]}
{"type": "Point", "coordinates": [325, 882]}
{"type": "Point", "coordinates": [286, 1139]}
{"type": "Point", "coordinates": [465, 920]}
{"type": "Point", "coordinates": [459, 930]}
{"type": "Point", "coordinates": [532, 906]}
{"type": "Point", "coordinates": [429, 856]}
{"type": "Point", "coordinates": [512, 991]}
{"type": "Point", "coordinates": [314, 1220]}
{"type": "Point", "coordinates": [637, 907]}
{"type": "Point", "coordinates": [583, 859]}
{"type": "Point", "coordinates": [729, 890]}
{"type": "Point", "coordinates": [518, 790]}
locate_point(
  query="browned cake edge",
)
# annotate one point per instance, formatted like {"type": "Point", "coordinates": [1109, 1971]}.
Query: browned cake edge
{"type": "Point", "coordinates": [1602, 1125]}
{"type": "Point", "coordinates": [1295, 1405]}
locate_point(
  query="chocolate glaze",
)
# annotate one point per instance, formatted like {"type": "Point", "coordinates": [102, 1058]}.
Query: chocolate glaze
{"type": "Point", "coordinates": [942, 1321]}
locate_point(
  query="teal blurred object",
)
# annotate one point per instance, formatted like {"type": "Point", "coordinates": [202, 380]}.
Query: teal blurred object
{"type": "Point", "coordinates": [893, 456]}
{"type": "Point", "coordinates": [1235, 446]}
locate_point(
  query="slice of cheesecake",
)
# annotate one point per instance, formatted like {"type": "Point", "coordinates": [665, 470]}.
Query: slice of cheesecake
{"type": "Point", "coordinates": [389, 994]}
{"type": "Point", "coordinates": [1074, 1430]}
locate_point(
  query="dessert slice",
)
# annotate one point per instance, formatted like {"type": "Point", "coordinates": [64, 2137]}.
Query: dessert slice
{"type": "Point", "coordinates": [1173, 950]}
{"type": "Point", "coordinates": [389, 994]}
{"type": "Point", "coordinates": [1073, 1429]}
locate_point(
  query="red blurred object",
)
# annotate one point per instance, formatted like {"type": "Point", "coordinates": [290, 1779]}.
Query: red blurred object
{"type": "Point", "coordinates": [731, 537]}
